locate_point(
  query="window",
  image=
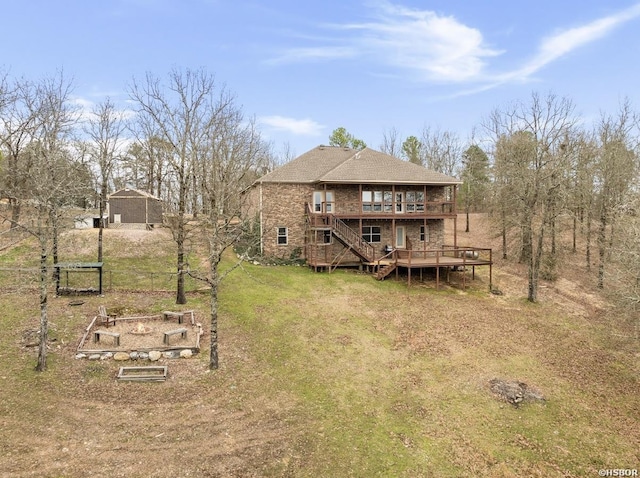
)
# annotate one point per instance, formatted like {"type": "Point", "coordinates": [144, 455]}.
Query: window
{"type": "Point", "coordinates": [367, 197]}
{"type": "Point", "coordinates": [372, 233]}
{"type": "Point", "coordinates": [326, 237]}
{"type": "Point", "coordinates": [415, 201]}
{"type": "Point", "coordinates": [323, 201]}
{"type": "Point", "coordinates": [424, 234]}
{"type": "Point", "coordinates": [283, 236]}
{"type": "Point", "coordinates": [376, 201]}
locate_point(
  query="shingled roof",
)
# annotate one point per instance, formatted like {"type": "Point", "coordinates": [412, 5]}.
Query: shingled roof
{"type": "Point", "coordinates": [330, 164]}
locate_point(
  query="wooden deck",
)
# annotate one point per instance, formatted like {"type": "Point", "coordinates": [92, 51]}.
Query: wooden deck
{"type": "Point", "coordinates": [447, 259]}
{"type": "Point", "coordinates": [448, 263]}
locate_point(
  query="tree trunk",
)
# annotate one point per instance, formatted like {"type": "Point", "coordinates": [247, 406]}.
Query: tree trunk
{"type": "Point", "coordinates": [553, 237]}
{"type": "Point", "coordinates": [42, 348]}
{"type": "Point", "coordinates": [534, 267]}
{"type": "Point", "coordinates": [213, 353]}
{"type": "Point", "coordinates": [15, 212]}
{"type": "Point", "coordinates": [588, 245]}
{"type": "Point", "coordinates": [103, 202]}
{"type": "Point", "coordinates": [466, 229]}
{"type": "Point", "coordinates": [54, 246]}
{"type": "Point", "coordinates": [503, 215]}
{"type": "Point", "coordinates": [602, 232]}
{"type": "Point", "coordinates": [527, 241]}
{"type": "Point", "coordinates": [181, 297]}
{"type": "Point", "coordinates": [575, 232]}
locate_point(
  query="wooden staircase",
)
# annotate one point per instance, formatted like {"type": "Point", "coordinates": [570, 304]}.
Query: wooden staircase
{"type": "Point", "coordinates": [351, 239]}
{"type": "Point", "coordinates": [385, 270]}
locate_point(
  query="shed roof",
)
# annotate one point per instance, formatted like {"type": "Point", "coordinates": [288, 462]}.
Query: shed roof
{"type": "Point", "coordinates": [132, 193]}
{"type": "Point", "coordinates": [330, 164]}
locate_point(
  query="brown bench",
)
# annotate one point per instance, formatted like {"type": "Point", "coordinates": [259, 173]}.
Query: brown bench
{"type": "Point", "coordinates": [115, 335]}
{"type": "Point", "coordinates": [166, 315]}
{"type": "Point", "coordinates": [182, 331]}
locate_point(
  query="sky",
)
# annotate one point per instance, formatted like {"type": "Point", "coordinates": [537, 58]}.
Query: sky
{"type": "Point", "coordinates": [303, 68]}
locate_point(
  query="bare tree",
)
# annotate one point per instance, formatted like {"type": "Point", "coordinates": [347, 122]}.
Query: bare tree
{"type": "Point", "coordinates": [617, 164]}
{"type": "Point", "coordinates": [531, 159]}
{"type": "Point", "coordinates": [236, 153]}
{"type": "Point", "coordinates": [105, 129]}
{"type": "Point", "coordinates": [441, 151]}
{"type": "Point", "coordinates": [178, 113]}
{"type": "Point", "coordinates": [16, 132]}
{"type": "Point", "coordinates": [52, 175]}
{"type": "Point", "coordinates": [391, 143]}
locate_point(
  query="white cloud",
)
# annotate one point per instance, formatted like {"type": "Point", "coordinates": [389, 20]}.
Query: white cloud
{"type": "Point", "coordinates": [436, 47]}
{"type": "Point", "coordinates": [439, 47]}
{"type": "Point", "coordinates": [564, 42]}
{"type": "Point", "coordinates": [302, 127]}
{"type": "Point", "coordinates": [295, 55]}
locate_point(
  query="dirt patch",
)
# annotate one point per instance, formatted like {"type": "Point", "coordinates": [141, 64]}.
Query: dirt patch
{"type": "Point", "coordinates": [130, 338]}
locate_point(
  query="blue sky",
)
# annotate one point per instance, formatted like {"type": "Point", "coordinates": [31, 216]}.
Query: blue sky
{"type": "Point", "coordinates": [303, 68]}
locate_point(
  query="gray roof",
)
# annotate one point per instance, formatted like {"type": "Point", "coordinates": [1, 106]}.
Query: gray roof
{"type": "Point", "coordinates": [132, 193]}
{"type": "Point", "coordinates": [330, 164]}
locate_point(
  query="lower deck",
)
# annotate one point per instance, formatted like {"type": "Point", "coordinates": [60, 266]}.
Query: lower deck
{"type": "Point", "coordinates": [445, 260]}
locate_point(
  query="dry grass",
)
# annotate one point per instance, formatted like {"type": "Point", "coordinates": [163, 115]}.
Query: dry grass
{"type": "Point", "coordinates": [335, 375]}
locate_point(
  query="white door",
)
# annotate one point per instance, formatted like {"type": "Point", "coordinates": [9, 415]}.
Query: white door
{"type": "Point", "coordinates": [117, 218]}
{"type": "Point", "coordinates": [400, 237]}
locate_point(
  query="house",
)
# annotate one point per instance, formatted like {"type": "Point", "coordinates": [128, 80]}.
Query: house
{"type": "Point", "coordinates": [336, 206]}
{"type": "Point", "coordinates": [134, 209]}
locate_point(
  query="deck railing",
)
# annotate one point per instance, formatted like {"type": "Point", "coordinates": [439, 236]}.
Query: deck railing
{"type": "Point", "coordinates": [468, 254]}
{"type": "Point", "coordinates": [405, 208]}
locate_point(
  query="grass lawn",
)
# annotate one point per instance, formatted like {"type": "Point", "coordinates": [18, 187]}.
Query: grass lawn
{"type": "Point", "coordinates": [329, 375]}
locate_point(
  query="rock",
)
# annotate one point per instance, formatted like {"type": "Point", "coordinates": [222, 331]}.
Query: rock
{"type": "Point", "coordinates": [134, 355]}
{"type": "Point", "coordinates": [154, 355]}
{"type": "Point", "coordinates": [106, 356]}
{"type": "Point", "coordinates": [171, 354]}
{"type": "Point", "coordinates": [514, 392]}
{"type": "Point", "coordinates": [143, 355]}
{"type": "Point", "coordinates": [121, 356]}
{"type": "Point", "coordinates": [94, 357]}
{"type": "Point", "coordinates": [81, 356]}
{"type": "Point", "coordinates": [187, 353]}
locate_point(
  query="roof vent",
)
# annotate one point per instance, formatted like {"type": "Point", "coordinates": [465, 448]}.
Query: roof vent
{"type": "Point", "coordinates": [357, 155]}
